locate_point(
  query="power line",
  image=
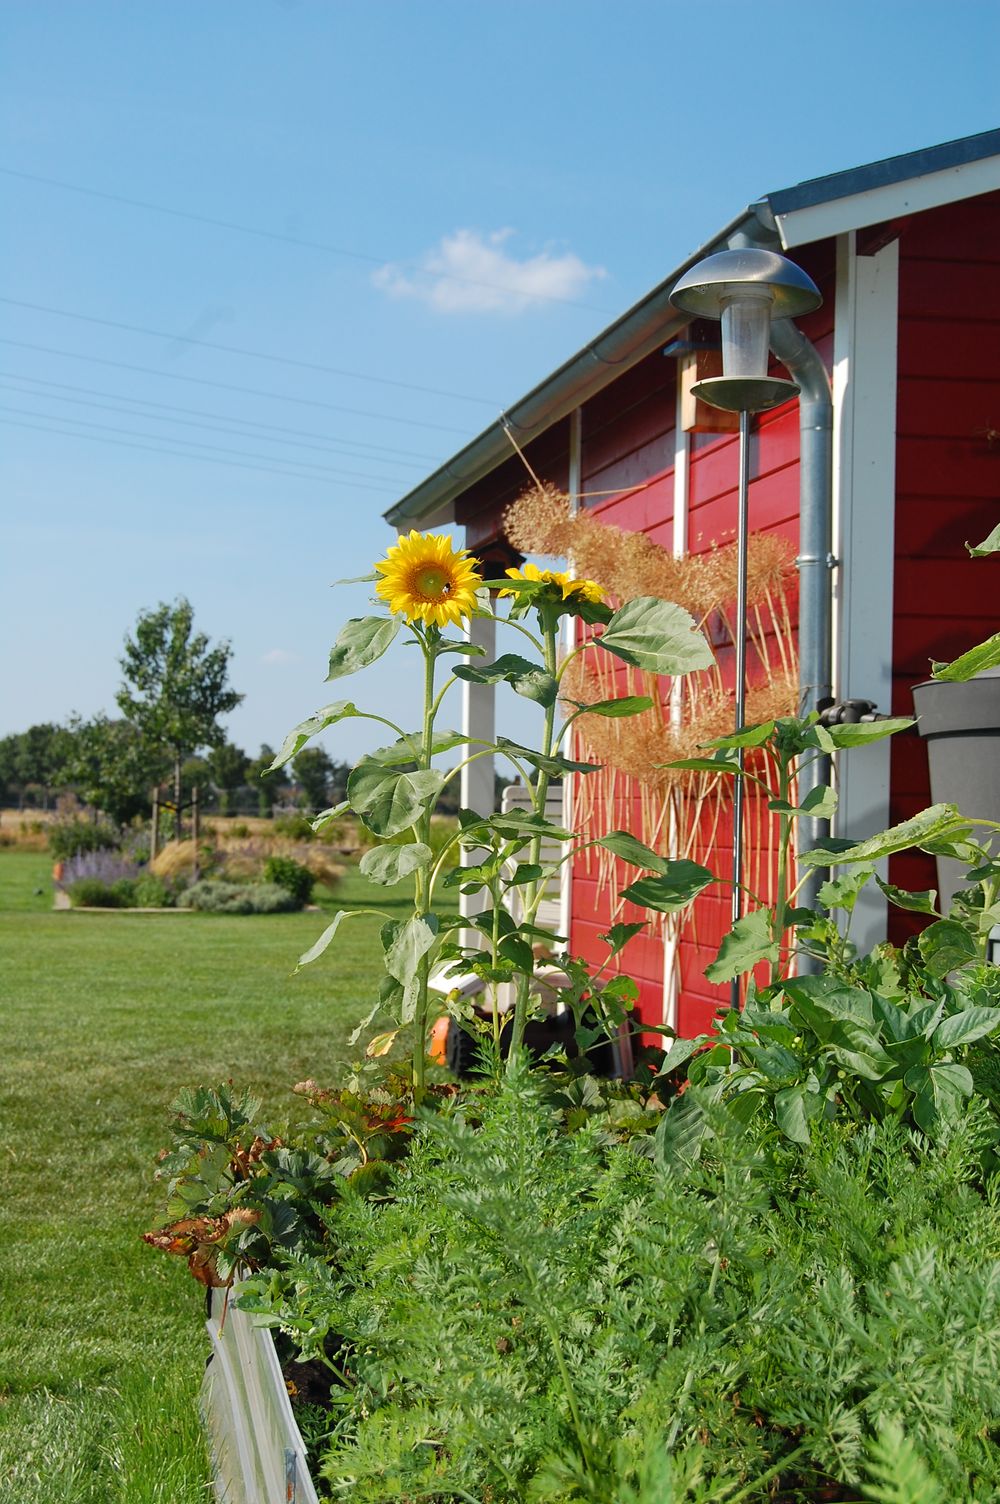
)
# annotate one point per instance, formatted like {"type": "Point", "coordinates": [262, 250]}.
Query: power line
{"type": "Point", "coordinates": [114, 407]}
{"type": "Point", "coordinates": [179, 454]}
{"type": "Point", "coordinates": [384, 481]}
{"type": "Point", "coordinates": [228, 386]}
{"type": "Point", "coordinates": [311, 245]}
{"type": "Point", "coordinates": [280, 360]}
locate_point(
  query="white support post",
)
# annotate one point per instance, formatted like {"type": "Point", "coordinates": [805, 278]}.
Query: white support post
{"type": "Point", "coordinates": [477, 781]}
{"type": "Point", "coordinates": [864, 491]}
{"type": "Point", "coordinates": [682, 471]}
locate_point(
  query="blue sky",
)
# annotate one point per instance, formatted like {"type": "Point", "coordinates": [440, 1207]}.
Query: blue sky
{"type": "Point", "coordinates": [454, 198]}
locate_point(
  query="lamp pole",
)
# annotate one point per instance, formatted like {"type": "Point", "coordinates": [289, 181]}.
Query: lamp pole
{"type": "Point", "coordinates": [744, 289]}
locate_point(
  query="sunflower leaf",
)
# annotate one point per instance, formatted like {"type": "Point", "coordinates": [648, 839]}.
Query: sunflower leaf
{"type": "Point", "coordinates": [362, 640]}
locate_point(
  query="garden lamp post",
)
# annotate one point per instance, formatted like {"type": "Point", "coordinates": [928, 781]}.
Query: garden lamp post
{"type": "Point", "coordinates": [745, 289]}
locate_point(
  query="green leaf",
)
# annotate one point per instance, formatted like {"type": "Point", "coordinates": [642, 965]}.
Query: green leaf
{"type": "Point", "coordinates": [300, 734]}
{"type": "Point", "coordinates": [679, 1052]}
{"type": "Point", "coordinates": [526, 678]}
{"type": "Point", "coordinates": [748, 942]}
{"type": "Point", "coordinates": [833, 998]}
{"type": "Point", "coordinates": [935, 823]}
{"type": "Point", "coordinates": [990, 545]}
{"type": "Point", "coordinates": [317, 949]}
{"type": "Point", "coordinates": [403, 750]}
{"type": "Point", "coordinates": [790, 1113]}
{"type": "Point", "coordinates": [678, 884]}
{"type": "Point", "coordinates": [939, 1092]}
{"type": "Point", "coordinates": [917, 903]}
{"type": "Point", "coordinates": [358, 579]}
{"type": "Point", "coordinates": [747, 736]}
{"type": "Point", "coordinates": [631, 850]}
{"type": "Point", "coordinates": [619, 935]}
{"type": "Point", "coordinates": [858, 733]}
{"type": "Point", "coordinates": [679, 1135]}
{"type": "Point", "coordinates": [857, 1048]}
{"type": "Point", "coordinates": [615, 709]}
{"type": "Point", "coordinates": [554, 765]}
{"type": "Point", "coordinates": [362, 640]}
{"type": "Point", "coordinates": [842, 892]}
{"type": "Point", "coordinates": [390, 864]}
{"type": "Point", "coordinates": [984, 655]}
{"type": "Point", "coordinates": [721, 762]}
{"type": "Point", "coordinates": [327, 816]}
{"type": "Point", "coordinates": [945, 946]}
{"type": "Point", "coordinates": [387, 801]}
{"type": "Point", "coordinates": [964, 1027]}
{"type": "Point", "coordinates": [820, 804]}
{"type": "Point", "coordinates": [521, 826]}
{"type": "Point", "coordinates": [657, 636]}
{"type": "Point", "coordinates": [409, 945]}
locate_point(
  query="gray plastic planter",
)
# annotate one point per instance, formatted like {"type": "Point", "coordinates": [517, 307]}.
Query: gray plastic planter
{"type": "Point", "coordinates": [257, 1452]}
{"type": "Point", "coordinates": [961, 725]}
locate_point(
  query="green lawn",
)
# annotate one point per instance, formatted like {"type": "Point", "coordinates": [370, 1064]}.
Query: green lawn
{"type": "Point", "coordinates": [105, 1016]}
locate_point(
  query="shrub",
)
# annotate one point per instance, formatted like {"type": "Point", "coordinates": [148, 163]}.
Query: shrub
{"type": "Point", "coordinates": [68, 838]}
{"type": "Point", "coordinates": [289, 874]}
{"type": "Point", "coordinates": [215, 896]}
{"type": "Point", "coordinates": [152, 893]}
{"type": "Point", "coordinates": [95, 893]}
{"type": "Point", "coordinates": [294, 827]}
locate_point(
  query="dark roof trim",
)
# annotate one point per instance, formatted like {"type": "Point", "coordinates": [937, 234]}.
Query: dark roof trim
{"type": "Point", "coordinates": [914, 164]}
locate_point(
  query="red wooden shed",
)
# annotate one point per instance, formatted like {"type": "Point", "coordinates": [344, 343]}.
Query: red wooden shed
{"type": "Point", "coordinates": [900, 367]}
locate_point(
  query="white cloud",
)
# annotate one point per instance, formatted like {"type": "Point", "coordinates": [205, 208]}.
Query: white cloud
{"type": "Point", "coordinates": [470, 272]}
{"type": "Point", "coordinates": [279, 655]}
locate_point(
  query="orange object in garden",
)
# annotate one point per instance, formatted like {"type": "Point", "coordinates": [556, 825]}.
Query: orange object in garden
{"type": "Point", "coordinates": [438, 1050]}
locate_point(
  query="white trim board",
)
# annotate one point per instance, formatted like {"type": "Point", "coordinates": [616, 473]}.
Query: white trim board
{"type": "Point", "coordinates": [864, 519]}
{"type": "Point", "coordinates": [839, 215]}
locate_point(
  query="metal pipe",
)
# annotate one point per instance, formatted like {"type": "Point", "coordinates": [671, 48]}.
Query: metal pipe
{"type": "Point", "coordinates": [815, 560]}
{"type": "Point", "coordinates": [742, 528]}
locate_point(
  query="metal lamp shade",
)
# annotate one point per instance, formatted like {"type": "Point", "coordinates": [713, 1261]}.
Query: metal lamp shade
{"type": "Point", "coordinates": [745, 289]}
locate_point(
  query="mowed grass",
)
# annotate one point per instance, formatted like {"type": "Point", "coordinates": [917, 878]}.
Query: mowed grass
{"type": "Point", "coordinates": [105, 1017]}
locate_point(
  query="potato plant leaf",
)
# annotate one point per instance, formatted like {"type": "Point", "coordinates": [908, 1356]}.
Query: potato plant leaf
{"type": "Point", "coordinates": [945, 946]}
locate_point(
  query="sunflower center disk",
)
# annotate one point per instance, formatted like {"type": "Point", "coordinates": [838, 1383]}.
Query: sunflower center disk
{"type": "Point", "coordinates": [432, 582]}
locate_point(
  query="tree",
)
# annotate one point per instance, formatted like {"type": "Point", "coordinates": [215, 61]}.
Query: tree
{"type": "Point", "coordinates": [228, 765]}
{"type": "Point", "coordinates": [268, 785]}
{"type": "Point", "coordinates": [33, 759]}
{"type": "Point", "coordinates": [314, 772]}
{"type": "Point", "coordinates": [175, 686]}
{"type": "Point", "coordinates": [110, 766]}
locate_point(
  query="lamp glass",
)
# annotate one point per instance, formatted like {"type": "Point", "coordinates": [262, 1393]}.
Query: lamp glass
{"type": "Point", "coordinates": [746, 329]}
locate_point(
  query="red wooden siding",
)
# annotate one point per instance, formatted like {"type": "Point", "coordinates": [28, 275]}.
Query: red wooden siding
{"type": "Point", "coordinates": [628, 439]}
{"type": "Point", "coordinates": [947, 475]}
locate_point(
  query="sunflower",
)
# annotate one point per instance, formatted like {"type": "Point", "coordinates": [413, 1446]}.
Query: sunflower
{"type": "Point", "coordinates": [427, 580]}
{"type": "Point", "coordinates": [530, 574]}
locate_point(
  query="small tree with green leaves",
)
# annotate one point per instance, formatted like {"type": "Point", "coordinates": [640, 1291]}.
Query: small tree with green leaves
{"type": "Point", "coordinates": [176, 685]}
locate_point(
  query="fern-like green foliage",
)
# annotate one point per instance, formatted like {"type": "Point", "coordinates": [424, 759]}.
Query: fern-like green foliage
{"type": "Point", "coordinates": [533, 1314]}
{"type": "Point", "coordinates": [897, 1472]}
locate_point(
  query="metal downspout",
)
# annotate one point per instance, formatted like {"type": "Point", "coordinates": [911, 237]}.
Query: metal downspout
{"type": "Point", "coordinates": [815, 559]}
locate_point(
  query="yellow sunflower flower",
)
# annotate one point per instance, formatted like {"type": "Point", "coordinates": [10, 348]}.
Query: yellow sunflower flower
{"type": "Point", "coordinates": [589, 590]}
{"type": "Point", "coordinates": [427, 580]}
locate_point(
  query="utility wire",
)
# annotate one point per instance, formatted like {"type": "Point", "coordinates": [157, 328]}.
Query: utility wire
{"type": "Point", "coordinates": [180, 454]}
{"type": "Point", "coordinates": [198, 412]}
{"type": "Point", "coordinates": [280, 360]}
{"type": "Point", "coordinates": [25, 412]}
{"type": "Point", "coordinates": [236, 433]}
{"type": "Point", "coordinates": [311, 245]}
{"type": "Point", "coordinates": [228, 386]}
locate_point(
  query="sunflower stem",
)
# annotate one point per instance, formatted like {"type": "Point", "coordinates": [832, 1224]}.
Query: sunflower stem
{"type": "Point", "coordinates": [421, 886]}
{"type": "Point", "coordinates": [533, 894]}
